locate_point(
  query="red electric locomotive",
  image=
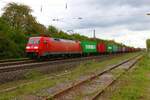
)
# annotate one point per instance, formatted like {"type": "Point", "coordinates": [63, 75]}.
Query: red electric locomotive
{"type": "Point", "coordinates": [47, 47]}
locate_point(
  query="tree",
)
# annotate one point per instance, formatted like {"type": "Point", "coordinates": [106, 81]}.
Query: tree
{"type": "Point", "coordinates": [19, 17]}
{"type": "Point", "coordinates": [8, 47]}
{"type": "Point", "coordinates": [52, 29]}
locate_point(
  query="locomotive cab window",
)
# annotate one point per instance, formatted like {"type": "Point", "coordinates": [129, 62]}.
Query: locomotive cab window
{"type": "Point", "coordinates": [57, 39]}
{"type": "Point", "coordinates": [37, 41]}
{"type": "Point", "coordinates": [31, 41]}
{"type": "Point", "coordinates": [34, 41]}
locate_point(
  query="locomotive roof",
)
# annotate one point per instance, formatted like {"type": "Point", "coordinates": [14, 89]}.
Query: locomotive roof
{"type": "Point", "coordinates": [63, 40]}
{"type": "Point", "coordinates": [36, 37]}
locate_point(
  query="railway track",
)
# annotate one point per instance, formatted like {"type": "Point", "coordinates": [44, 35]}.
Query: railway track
{"type": "Point", "coordinates": [13, 60]}
{"type": "Point", "coordinates": [9, 89]}
{"type": "Point", "coordinates": [28, 64]}
{"type": "Point", "coordinates": [80, 88]}
{"type": "Point", "coordinates": [16, 62]}
{"type": "Point", "coordinates": [10, 62]}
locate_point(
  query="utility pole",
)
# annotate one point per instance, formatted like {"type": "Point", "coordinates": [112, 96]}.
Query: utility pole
{"type": "Point", "coordinates": [94, 34]}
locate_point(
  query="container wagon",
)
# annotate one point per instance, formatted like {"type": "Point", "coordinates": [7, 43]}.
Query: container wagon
{"type": "Point", "coordinates": [123, 49]}
{"type": "Point", "coordinates": [115, 48]}
{"type": "Point", "coordinates": [101, 48]}
{"type": "Point", "coordinates": [119, 49]}
{"type": "Point", "coordinates": [88, 47]}
{"type": "Point", "coordinates": [109, 48]}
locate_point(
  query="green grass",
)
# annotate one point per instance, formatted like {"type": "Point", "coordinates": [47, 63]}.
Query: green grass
{"type": "Point", "coordinates": [82, 69]}
{"type": "Point", "coordinates": [32, 74]}
{"type": "Point", "coordinates": [135, 85]}
{"type": "Point", "coordinates": [117, 72]}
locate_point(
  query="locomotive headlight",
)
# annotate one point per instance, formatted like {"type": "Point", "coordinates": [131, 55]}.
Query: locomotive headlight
{"type": "Point", "coordinates": [36, 47]}
{"type": "Point", "coordinates": [27, 47]}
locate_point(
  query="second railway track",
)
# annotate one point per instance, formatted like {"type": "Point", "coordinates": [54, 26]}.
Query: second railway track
{"type": "Point", "coordinates": [85, 86]}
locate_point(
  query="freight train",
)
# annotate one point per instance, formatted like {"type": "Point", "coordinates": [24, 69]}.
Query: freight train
{"type": "Point", "coordinates": [43, 47]}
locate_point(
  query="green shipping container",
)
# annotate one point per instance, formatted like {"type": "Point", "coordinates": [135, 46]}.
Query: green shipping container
{"type": "Point", "coordinates": [89, 46]}
{"type": "Point", "coordinates": [109, 48]}
{"type": "Point", "coordinates": [115, 48]}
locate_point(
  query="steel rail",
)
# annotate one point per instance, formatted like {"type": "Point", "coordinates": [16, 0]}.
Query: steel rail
{"type": "Point", "coordinates": [43, 63]}
{"type": "Point", "coordinates": [95, 97]}
{"type": "Point", "coordinates": [75, 85]}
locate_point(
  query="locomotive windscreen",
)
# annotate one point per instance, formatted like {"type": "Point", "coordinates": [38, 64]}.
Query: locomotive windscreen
{"type": "Point", "coordinates": [34, 41]}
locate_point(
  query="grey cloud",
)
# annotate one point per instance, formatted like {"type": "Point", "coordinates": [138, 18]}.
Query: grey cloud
{"type": "Point", "coordinates": [111, 3]}
{"type": "Point", "coordinates": [130, 22]}
{"type": "Point", "coordinates": [131, 15]}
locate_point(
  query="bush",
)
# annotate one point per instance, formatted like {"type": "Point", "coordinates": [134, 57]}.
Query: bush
{"type": "Point", "coordinates": [12, 42]}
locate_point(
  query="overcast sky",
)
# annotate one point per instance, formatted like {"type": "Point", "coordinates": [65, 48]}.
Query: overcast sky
{"type": "Point", "coordinates": [124, 21]}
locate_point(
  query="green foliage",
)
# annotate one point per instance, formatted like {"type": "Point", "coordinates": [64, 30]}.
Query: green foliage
{"type": "Point", "coordinates": [52, 30]}
{"type": "Point", "coordinates": [77, 36]}
{"type": "Point", "coordinates": [148, 44]}
{"type": "Point", "coordinates": [8, 47]}
{"type": "Point", "coordinates": [32, 74]}
{"type": "Point", "coordinates": [135, 84]}
{"type": "Point", "coordinates": [18, 16]}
